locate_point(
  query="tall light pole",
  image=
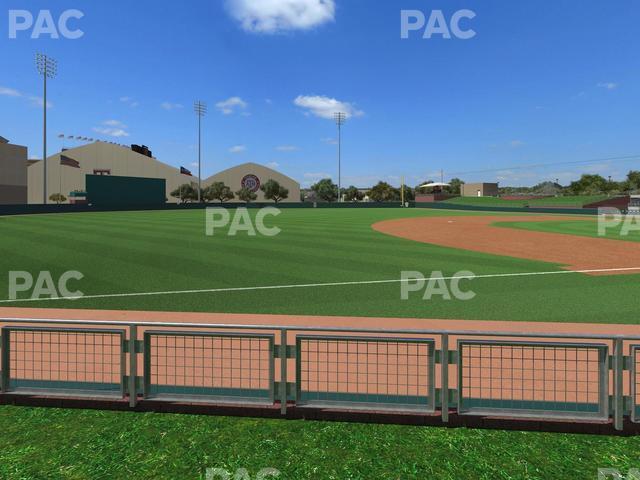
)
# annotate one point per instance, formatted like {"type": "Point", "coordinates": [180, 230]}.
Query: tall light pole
{"type": "Point", "coordinates": [48, 68]}
{"type": "Point", "coordinates": [201, 110]}
{"type": "Point", "coordinates": [340, 118]}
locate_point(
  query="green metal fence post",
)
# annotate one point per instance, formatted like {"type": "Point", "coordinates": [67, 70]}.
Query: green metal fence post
{"type": "Point", "coordinates": [444, 390]}
{"type": "Point", "coordinates": [133, 365]}
{"type": "Point", "coordinates": [283, 371]}
{"type": "Point", "coordinates": [618, 384]}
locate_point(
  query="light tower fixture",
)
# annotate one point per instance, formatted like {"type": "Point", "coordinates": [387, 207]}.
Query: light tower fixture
{"type": "Point", "coordinates": [340, 118]}
{"type": "Point", "coordinates": [201, 110]}
{"type": "Point", "coordinates": [48, 68]}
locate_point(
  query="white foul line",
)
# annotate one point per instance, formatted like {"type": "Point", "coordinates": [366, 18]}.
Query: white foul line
{"type": "Point", "coordinates": [311, 285]}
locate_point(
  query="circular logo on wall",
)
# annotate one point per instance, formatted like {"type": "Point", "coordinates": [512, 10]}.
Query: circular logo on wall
{"type": "Point", "coordinates": [250, 182]}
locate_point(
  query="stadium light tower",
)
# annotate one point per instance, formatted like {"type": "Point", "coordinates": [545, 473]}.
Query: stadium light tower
{"type": "Point", "coordinates": [48, 68]}
{"type": "Point", "coordinates": [340, 118]}
{"type": "Point", "coordinates": [201, 110]}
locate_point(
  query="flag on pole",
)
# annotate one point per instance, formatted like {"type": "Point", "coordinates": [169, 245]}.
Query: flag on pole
{"type": "Point", "coordinates": [184, 171]}
{"type": "Point", "coordinates": [69, 162]}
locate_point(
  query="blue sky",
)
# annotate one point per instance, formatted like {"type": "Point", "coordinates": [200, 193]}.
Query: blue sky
{"type": "Point", "coordinates": [541, 82]}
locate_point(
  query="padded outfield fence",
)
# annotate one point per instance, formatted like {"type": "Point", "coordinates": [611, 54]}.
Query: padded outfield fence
{"type": "Point", "coordinates": [560, 377]}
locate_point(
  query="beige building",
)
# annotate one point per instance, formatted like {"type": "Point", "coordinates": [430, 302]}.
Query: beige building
{"type": "Point", "coordinates": [99, 158]}
{"type": "Point", "coordinates": [253, 176]}
{"type": "Point", "coordinates": [13, 173]}
{"type": "Point", "coordinates": [480, 190]}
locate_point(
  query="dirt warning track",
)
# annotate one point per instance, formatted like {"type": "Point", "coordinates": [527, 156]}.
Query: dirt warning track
{"type": "Point", "coordinates": [478, 234]}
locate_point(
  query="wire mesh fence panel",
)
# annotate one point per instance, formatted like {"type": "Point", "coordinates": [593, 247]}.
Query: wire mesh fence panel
{"type": "Point", "coordinates": [388, 373]}
{"type": "Point", "coordinates": [635, 383]}
{"type": "Point", "coordinates": [533, 379]}
{"type": "Point", "coordinates": [59, 360]}
{"type": "Point", "coordinates": [208, 366]}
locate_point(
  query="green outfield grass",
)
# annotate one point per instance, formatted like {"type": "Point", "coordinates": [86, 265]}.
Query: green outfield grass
{"type": "Point", "coordinates": [585, 228]}
{"type": "Point", "coordinates": [127, 252]}
{"type": "Point", "coordinates": [566, 201]}
{"type": "Point", "coordinates": [76, 444]}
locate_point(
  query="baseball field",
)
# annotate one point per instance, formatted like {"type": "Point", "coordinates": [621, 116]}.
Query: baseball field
{"type": "Point", "coordinates": [326, 262]}
{"type": "Point", "coordinates": [335, 263]}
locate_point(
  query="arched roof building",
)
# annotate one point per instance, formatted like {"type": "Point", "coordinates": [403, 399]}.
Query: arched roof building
{"type": "Point", "coordinates": [252, 176]}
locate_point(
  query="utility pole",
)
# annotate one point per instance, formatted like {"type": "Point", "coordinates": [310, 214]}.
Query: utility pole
{"type": "Point", "coordinates": [340, 118]}
{"type": "Point", "coordinates": [48, 68]}
{"type": "Point", "coordinates": [201, 110]}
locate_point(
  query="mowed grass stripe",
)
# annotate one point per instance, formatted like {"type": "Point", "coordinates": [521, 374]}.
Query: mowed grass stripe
{"type": "Point", "coordinates": [129, 252]}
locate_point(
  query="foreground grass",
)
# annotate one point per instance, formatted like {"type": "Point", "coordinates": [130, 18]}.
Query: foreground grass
{"type": "Point", "coordinates": [71, 444]}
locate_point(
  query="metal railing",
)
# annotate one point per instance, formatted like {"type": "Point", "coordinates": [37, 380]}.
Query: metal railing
{"type": "Point", "coordinates": [534, 379]}
{"type": "Point", "coordinates": [367, 372]}
{"type": "Point", "coordinates": [564, 377]}
{"type": "Point", "coordinates": [204, 366]}
{"type": "Point", "coordinates": [63, 361]}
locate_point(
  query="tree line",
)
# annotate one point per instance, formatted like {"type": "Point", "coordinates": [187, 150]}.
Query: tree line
{"type": "Point", "coordinates": [588, 184]}
{"type": "Point", "coordinates": [220, 192]}
{"type": "Point", "coordinates": [326, 190]}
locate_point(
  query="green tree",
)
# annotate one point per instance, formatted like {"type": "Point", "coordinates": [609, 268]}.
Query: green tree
{"type": "Point", "coordinates": [409, 194]}
{"type": "Point", "coordinates": [383, 192]}
{"type": "Point", "coordinates": [274, 191]}
{"type": "Point", "coordinates": [187, 192]}
{"type": "Point", "coordinates": [633, 179]}
{"type": "Point", "coordinates": [57, 198]}
{"type": "Point", "coordinates": [218, 191]}
{"type": "Point", "coordinates": [246, 195]}
{"type": "Point", "coordinates": [352, 194]}
{"type": "Point", "coordinates": [455, 186]}
{"type": "Point", "coordinates": [326, 190]}
{"type": "Point", "coordinates": [589, 185]}
{"type": "Point", "coordinates": [547, 188]}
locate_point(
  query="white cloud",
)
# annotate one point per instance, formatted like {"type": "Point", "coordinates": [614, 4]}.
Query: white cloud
{"type": "Point", "coordinates": [171, 106]}
{"type": "Point", "coordinates": [9, 92]}
{"type": "Point", "coordinates": [238, 149]}
{"type": "Point", "coordinates": [273, 165]}
{"type": "Point", "coordinates": [273, 16]}
{"type": "Point", "coordinates": [517, 143]}
{"type": "Point", "coordinates": [39, 101]}
{"type": "Point", "coordinates": [34, 100]}
{"type": "Point", "coordinates": [317, 176]}
{"type": "Point", "coordinates": [330, 141]}
{"type": "Point", "coordinates": [111, 132]}
{"type": "Point", "coordinates": [287, 148]}
{"type": "Point", "coordinates": [129, 101]}
{"type": "Point", "coordinates": [114, 123]}
{"type": "Point", "coordinates": [112, 128]}
{"type": "Point", "coordinates": [231, 105]}
{"type": "Point", "coordinates": [326, 107]}
{"type": "Point", "coordinates": [608, 85]}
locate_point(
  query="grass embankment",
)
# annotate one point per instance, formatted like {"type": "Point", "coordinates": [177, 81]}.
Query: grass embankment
{"type": "Point", "coordinates": [567, 201]}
